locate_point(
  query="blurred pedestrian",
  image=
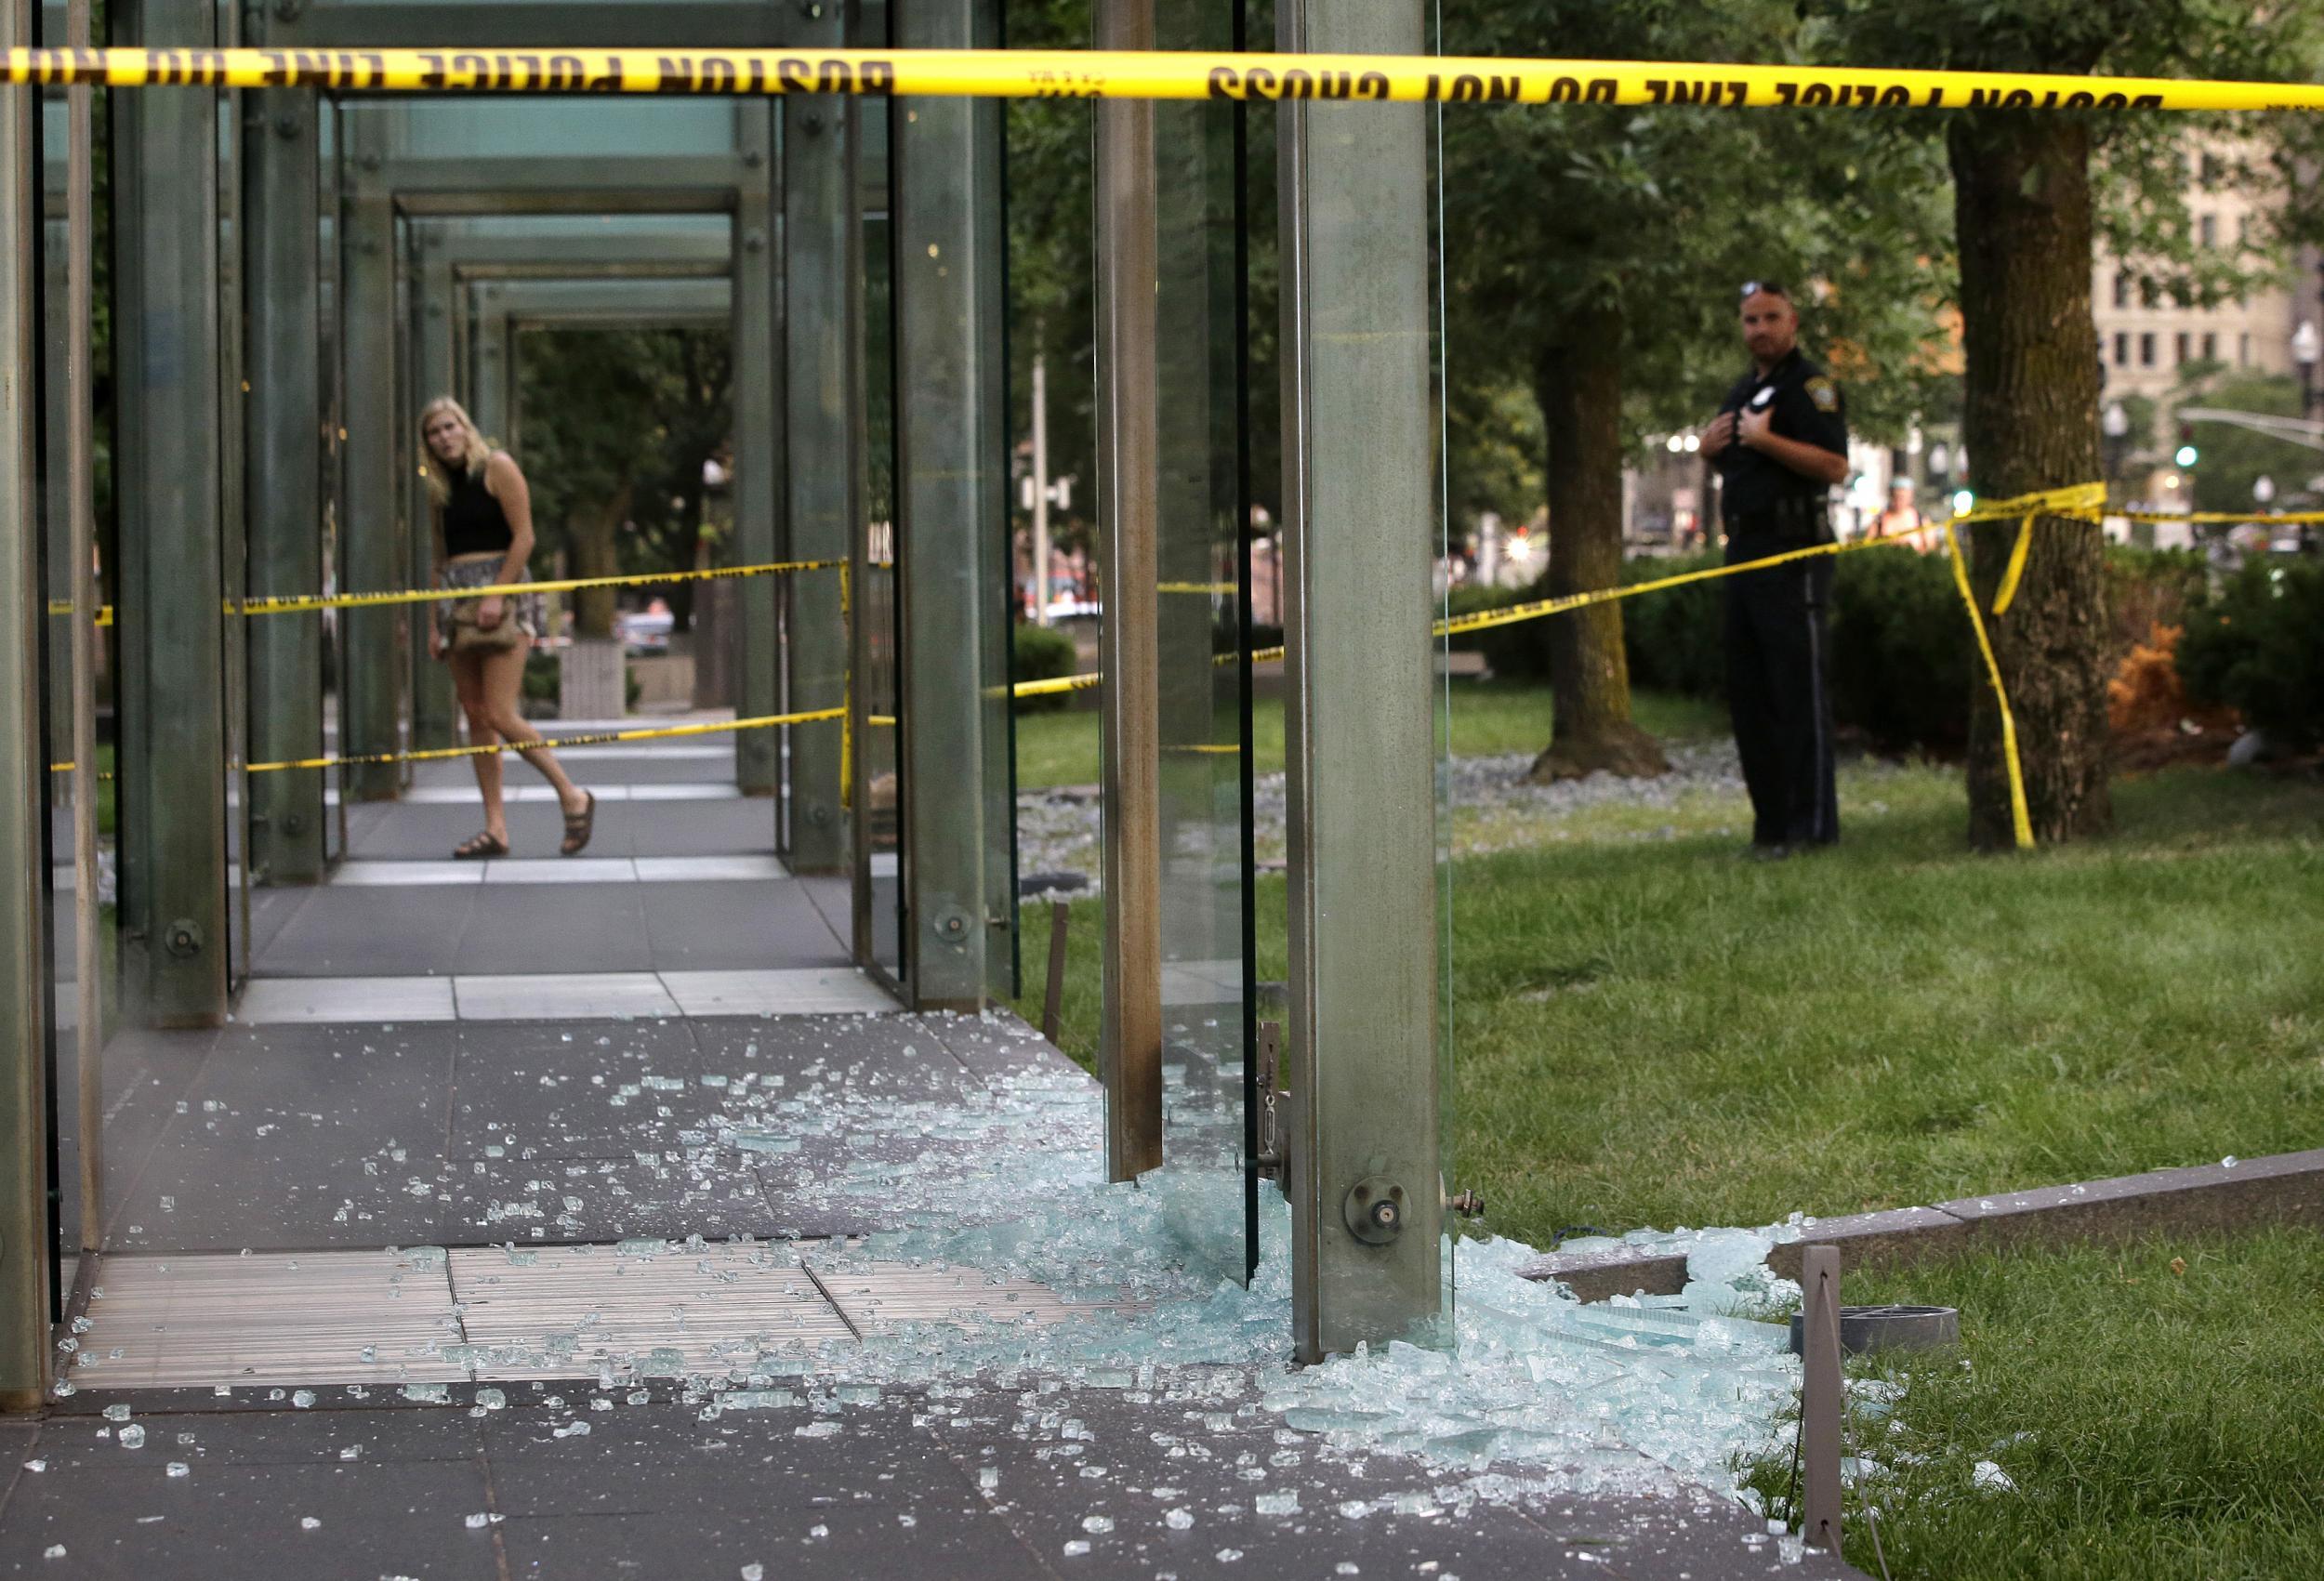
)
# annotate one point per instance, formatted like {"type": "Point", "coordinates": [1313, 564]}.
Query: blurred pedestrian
{"type": "Point", "coordinates": [484, 529]}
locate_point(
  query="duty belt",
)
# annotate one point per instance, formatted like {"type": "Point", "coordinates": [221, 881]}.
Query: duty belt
{"type": "Point", "coordinates": [1801, 520]}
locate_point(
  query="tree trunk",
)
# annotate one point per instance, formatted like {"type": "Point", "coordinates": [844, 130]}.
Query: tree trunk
{"type": "Point", "coordinates": [1579, 387]}
{"type": "Point", "coordinates": [2022, 205]}
{"type": "Point", "coordinates": [593, 530]}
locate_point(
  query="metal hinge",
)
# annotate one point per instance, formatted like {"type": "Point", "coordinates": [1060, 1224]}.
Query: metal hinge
{"type": "Point", "coordinates": [1273, 1144]}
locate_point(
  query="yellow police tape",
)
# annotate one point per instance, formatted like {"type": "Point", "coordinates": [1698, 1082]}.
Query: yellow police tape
{"type": "Point", "coordinates": [1512, 614]}
{"type": "Point", "coordinates": [2021, 823]}
{"type": "Point", "coordinates": [593, 738]}
{"type": "Point", "coordinates": [2082, 500]}
{"type": "Point", "coordinates": [292, 603]}
{"type": "Point", "coordinates": [2243, 518]}
{"type": "Point", "coordinates": [1058, 73]}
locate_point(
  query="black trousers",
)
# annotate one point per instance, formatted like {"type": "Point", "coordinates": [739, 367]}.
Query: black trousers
{"type": "Point", "coordinates": [1779, 693]}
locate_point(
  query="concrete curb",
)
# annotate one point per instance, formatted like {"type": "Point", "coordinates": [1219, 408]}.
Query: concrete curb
{"type": "Point", "coordinates": [2287, 1187]}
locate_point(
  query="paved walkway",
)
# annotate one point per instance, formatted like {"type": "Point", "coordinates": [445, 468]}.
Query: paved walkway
{"type": "Point", "coordinates": [515, 1229]}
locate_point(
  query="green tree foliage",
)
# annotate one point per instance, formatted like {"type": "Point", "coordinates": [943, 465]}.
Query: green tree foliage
{"type": "Point", "coordinates": [2033, 191]}
{"type": "Point", "coordinates": [1594, 254]}
{"type": "Point", "coordinates": [2233, 458]}
{"type": "Point", "coordinates": [617, 425]}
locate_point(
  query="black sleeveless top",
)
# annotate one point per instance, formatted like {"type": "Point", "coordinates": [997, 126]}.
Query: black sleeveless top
{"type": "Point", "coordinates": [473, 522]}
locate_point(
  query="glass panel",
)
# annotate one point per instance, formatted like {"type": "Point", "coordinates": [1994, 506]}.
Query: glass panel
{"type": "Point", "coordinates": [564, 130]}
{"type": "Point", "coordinates": [327, 331]}
{"type": "Point", "coordinates": [232, 549]}
{"type": "Point", "coordinates": [1204, 692]}
{"type": "Point", "coordinates": [1439, 540]}
{"type": "Point", "coordinates": [880, 915]}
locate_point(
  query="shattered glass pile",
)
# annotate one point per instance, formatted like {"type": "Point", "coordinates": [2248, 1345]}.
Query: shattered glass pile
{"type": "Point", "coordinates": [1002, 1259]}
{"type": "Point", "coordinates": [1538, 1387]}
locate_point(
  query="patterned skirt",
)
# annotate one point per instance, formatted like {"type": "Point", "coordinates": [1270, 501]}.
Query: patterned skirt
{"type": "Point", "coordinates": [525, 609]}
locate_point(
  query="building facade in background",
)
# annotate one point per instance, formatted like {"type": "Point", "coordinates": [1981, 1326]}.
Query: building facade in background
{"type": "Point", "coordinates": [2146, 340]}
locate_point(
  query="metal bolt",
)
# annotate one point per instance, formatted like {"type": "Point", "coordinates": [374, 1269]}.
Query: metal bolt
{"type": "Point", "coordinates": [1374, 1210]}
{"type": "Point", "coordinates": [1468, 1205]}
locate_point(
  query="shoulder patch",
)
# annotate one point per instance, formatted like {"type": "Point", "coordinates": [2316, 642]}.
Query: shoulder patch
{"type": "Point", "coordinates": [1821, 391]}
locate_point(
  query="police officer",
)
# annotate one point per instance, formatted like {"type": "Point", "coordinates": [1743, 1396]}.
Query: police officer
{"type": "Point", "coordinates": [1781, 442]}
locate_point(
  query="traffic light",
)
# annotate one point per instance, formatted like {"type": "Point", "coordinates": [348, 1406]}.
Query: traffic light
{"type": "Point", "coordinates": [2186, 455]}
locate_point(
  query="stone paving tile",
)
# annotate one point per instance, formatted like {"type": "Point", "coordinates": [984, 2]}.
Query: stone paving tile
{"type": "Point", "coordinates": [371, 933]}
{"type": "Point", "coordinates": [1092, 1477]}
{"type": "Point", "coordinates": [573, 1100]}
{"type": "Point", "coordinates": [232, 1522]}
{"type": "Point", "coordinates": [537, 996]}
{"type": "Point", "coordinates": [571, 930]}
{"type": "Point", "coordinates": [997, 1043]}
{"type": "Point", "coordinates": [332, 1432]}
{"type": "Point", "coordinates": [293, 1190]}
{"type": "Point", "coordinates": [866, 1494]}
{"type": "Point", "coordinates": [616, 1198]}
{"type": "Point", "coordinates": [758, 923]}
{"type": "Point", "coordinates": [317, 1000]}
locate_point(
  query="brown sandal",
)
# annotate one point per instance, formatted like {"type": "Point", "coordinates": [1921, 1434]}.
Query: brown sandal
{"type": "Point", "coordinates": [479, 847]}
{"type": "Point", "coordinates": [579, 826]}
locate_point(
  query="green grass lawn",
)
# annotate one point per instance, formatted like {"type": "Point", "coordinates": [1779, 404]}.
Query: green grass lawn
{"type": "Point", "coordinates": [2161, 1411]}
{"type": "Point", "coordinates": [1648, 1030]}
{"type": "Point", "coordinates": [1487, 718]}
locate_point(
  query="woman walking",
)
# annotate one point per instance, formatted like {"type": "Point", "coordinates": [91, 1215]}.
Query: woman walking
{"type": "Point", "coordinates": [485, 537]}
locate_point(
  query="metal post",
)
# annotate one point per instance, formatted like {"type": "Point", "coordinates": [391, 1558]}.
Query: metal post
{"type": "Point", "coordinates": [56, 506]}
{"type": "Point", "coordinates": [1820, 1396]}
{"type": "Point", "coordinates": [24, 1250]}
{"type": "Point", "coordinates": [758, 490]}
{"type": "Point", "coordinates": [283, 454]}
{"type": "Point", "coordinates": [821, 256]}
{"type": "Point", "coordinates": [1367, 1207]}
{"type": "Point", "coordinates": [952, 527]}
{"type": "Point", "coordinates": [1041, 490]}
{"type": "Point", "coordinates": [368, 638]}
{"type": "Point", "coordinates": [495, 362]}
{"type": "Point", "coordinates": [1130, 1045]}
{"type": "Point", "coordinates": [171, 635]}
{"type": "Point", "coordinates": [435, 355]}
{"type": "Point", "coordinates": [88, 943]}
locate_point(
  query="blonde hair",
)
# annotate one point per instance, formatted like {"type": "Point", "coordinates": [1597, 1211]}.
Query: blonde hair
{"type": "Point", "coordinates": [474, 452]}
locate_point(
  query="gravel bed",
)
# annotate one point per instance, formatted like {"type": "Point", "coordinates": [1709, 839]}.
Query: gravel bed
{"type": "Point", "coordinates": [1494, 806]}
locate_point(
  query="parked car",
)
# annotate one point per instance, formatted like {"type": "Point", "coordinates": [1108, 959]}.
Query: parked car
{"type": "Point", "coordinates": [645, 631]}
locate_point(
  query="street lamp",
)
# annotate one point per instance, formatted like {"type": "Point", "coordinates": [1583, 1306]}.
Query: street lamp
{"type": "Point", "coordinates": [2307, 346]}
{"type": "Point", "coordinates": [2115, 423]}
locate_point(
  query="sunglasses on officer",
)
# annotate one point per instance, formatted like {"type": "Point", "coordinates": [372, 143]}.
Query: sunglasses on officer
{"type": "Point", "coordinates": [1755, 287]}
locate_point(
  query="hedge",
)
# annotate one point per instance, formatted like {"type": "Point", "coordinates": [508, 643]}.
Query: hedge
{"type": "Point", "coordinates": [1903, 658]}
{"type": "Point", "coordinates": [2258, 647]}
{"type": "Point", "coordinates": [1041, 652]}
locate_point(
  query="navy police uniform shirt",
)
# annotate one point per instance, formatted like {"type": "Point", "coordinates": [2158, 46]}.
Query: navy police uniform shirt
{"type": "Point", "coordinates": [1761, 497]}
